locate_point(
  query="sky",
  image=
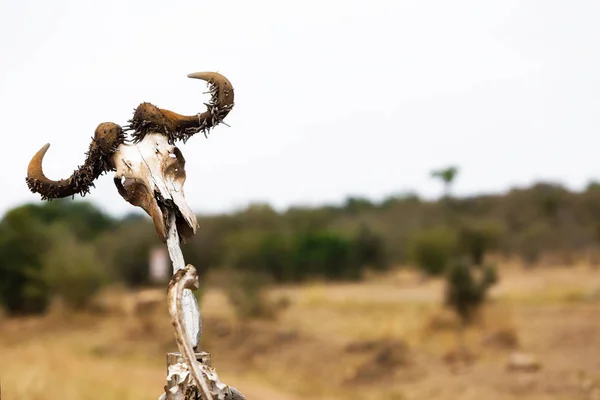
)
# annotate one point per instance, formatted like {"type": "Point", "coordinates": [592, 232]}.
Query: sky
{"type": "Point", "coordinates": [332, 98]}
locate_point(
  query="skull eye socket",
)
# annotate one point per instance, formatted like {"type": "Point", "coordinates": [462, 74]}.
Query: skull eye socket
{"type": "Point", "coordinates": [179, 156]}
{"type": "Point", "coordinates": [175, 166]}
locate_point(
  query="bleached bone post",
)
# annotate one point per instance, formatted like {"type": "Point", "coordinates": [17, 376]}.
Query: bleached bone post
{"type": "Point", "coordinates": [189, 304]}
{"type": "Point", "coordinates": [154, 166]}
{"type": "Point", "coordinates": [196, 376]}
{"type": "Point", "coordinates": [150, 173]}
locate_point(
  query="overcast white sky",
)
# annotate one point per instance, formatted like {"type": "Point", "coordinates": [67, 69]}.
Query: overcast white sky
{"type": "Point", "coordinates": [333, 98]}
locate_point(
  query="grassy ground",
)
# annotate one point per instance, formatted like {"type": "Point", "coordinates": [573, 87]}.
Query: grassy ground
{"type": "Point", "coordinates": [387, 338]}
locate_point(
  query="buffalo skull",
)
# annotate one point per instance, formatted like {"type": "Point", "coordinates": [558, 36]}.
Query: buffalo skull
{"type": "Point", "coordinates": [150, 169]}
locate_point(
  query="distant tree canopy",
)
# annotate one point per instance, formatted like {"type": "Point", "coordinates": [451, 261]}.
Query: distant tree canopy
{"type": "Point", "coordinates": [447, 176]}
{"type": "Point", "coordinates": [23, 243]}
{"type": "Point", "coordinates": [334, 242]}
{"type": "Point", "coordinates": [85, 220]}
{"type": "Point", "coordinates": [29, 234]}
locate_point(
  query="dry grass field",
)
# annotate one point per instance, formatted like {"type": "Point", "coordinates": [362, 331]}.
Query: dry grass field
{"type": "Point", "coordinates": [386, 338]}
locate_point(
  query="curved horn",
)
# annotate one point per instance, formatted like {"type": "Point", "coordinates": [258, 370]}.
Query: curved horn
{"type": "Point", "coordinates": [107, 138]}
{"type": "Point", "coordinates": [149, 118]}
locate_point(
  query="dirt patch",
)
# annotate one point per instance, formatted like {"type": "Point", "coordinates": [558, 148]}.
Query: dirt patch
{"type": "Point", "coordinates": [442, 321]}
{"type": "Point", "coordinates": [386, 359]}
{"type": "Point", "coordinates": [501, 339]}
{"type": "Point", "coordinates": [362, 346]}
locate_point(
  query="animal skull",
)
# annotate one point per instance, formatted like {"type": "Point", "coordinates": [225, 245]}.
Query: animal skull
{"type": "Point", "coordinates": [150, 171]}
{"type": "Point", "coordinates": [150, 175]}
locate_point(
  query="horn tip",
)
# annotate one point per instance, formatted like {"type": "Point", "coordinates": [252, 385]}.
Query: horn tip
{"type": "Point", "coordinates": [197, 75]}
{"type": "Point", "coordinates": [205, 76]}
{"type": "Point", "coordinates": [34, 169]}
{"type": "Point", "coordinates": [43, 149]}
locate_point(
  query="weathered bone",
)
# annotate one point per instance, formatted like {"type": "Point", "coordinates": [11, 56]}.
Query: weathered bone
{"type": "Point", "coordinates": [205, 378]}
{"type": "Point", "coordinates": [150, 174]}
{"type": "Point", "coordinates": [148, 119]}
{"type": "Point", "coordinates": [191, 311]}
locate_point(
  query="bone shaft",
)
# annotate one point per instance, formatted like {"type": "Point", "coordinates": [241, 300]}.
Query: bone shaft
{"type": "Point", "coordinates": [173, 246]}
{"type": "Point", "coordinates": [191, 310]}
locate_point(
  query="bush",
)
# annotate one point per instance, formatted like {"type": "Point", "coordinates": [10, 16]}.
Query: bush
{"type": "Point", "coordinates": [368, 249]}
{"type": "Point", "coordinates": [126, 252]}
{"type": "Point", "coordinates": [206, 249]}
{"type": "Point", "coordinates": [476, 237]}
{"type": "Point", "coordinates": [71, 270]}
{"type": "Point", "coordinates": [534, 240]}
{"type": "Point", "coordinates": [267, 253]}
{"type": "Point", "coordinates": [433, 249]}
{"type": "Point", "coordinates": [245, 291]}
{"type": "Point", "coordinates": [465, 293]}
{"type": "Point", "coordinates": [23, 240]}
{"type": "Point", "coordinates": [84, 220]}
{"type": "Point", "coordinates": [274, 257]}
{"type": "Point", "coordinates": [323, 254]}
{"type": "Point", "coordinates": [307, 255]}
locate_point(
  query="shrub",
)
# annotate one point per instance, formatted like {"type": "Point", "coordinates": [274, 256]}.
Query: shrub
{"type": "Point", "coordinates": [368, 249]}
{"type": "Point", "coordinates": [323, 254]}
{"type": "Point", "coordinates": [477, 237]}
{"type": "Point", "coordinates": [245, 291]}
{"type": "Point", "coordinates": [464, 292]}
{"type": "Point", "coordinates": [23, 240]}
{"type": "Point", "coordinates": [274, 257]}
{"type": "Point", "coordinates": [532, 241]}
{"type": "Point", "coordinates": [306, 255]}
{"type": "Point", "coordinates": [267, 253]}
{"type": "Point", "coordinates": [71, 270]}
{"type": "Point", "coordinates": [84, 219]}
{"type": "Point", "coordinates": [126, 251]}
{"type": "Point", "coordinates": [433, 249]}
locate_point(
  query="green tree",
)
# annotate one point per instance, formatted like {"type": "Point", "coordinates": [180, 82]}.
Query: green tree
{"type": "Point", "coordinates": [246, 293]}
{"type": "Point", "coordinates": [84, 219]}
{"type": "Point", "coordinates": [71, 269]}
{"type": "Point", "coordinates": [550, 198]}
{"type": "Point", "coordinates": [208, 248]}
{"type": "Point", "coordinates": [532, 241]}
{"type": "Point", "coordinates": [433, 249]}
{"type": "Point", "coordinates": [478, 236]}
{"type": "Point", "coordinates": [356, 205]}
{"type": "Point", "coordinates": [126, 251]}
{"type": "Point", "coordinates": [447, 176]}
{"type": "Point", "coordinates": [301, 220]}
{"type": "Point", "coordinates": [23, 242]}
{"type": "Point", "coordinates": [368, 248]}
{"type": "Point", "coordinates": [323, 254]}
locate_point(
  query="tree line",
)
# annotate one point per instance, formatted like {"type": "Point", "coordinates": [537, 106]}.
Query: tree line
{"type": "Point", "coordinates": [71, 248]}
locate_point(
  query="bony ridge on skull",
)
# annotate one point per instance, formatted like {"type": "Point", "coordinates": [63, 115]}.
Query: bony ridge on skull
{"type": "Point", "coordinates": [150, 169]}
{"type": "Point", "coordinates": [150, 174]}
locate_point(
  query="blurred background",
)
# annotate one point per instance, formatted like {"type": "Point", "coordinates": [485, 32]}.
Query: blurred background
{"type": "Point", "coordinates": [405, 204]}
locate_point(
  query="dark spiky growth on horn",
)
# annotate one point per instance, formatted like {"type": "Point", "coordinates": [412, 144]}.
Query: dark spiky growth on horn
{"type": "Point", "coordinates": [149, 118]}
{"type": "Point", "coordinates": [107, 138]}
